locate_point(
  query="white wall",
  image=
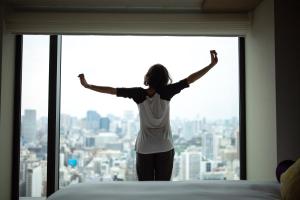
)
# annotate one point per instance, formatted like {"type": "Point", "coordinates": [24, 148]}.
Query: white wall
{"type": "Point", "coordinates": [261, 95]}
{"type": "Point", "coordinates": [7, 44]}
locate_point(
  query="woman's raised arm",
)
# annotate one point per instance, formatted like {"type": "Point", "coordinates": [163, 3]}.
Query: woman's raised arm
{"type": "Point", "coordinates": [102, 89]}
{"type": "Point", "coordinates": [195, 76]}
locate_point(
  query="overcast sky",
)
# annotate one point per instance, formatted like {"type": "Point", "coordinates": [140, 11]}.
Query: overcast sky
{"type": "Point", "coordinates": [122, 61]}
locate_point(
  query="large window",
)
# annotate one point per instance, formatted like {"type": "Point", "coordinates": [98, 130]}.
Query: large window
{"type": "Point", "coordinates": [97, 132]}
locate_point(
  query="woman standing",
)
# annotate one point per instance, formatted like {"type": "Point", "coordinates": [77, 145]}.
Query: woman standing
{"type": "Point", "coordinates": [154, 144]}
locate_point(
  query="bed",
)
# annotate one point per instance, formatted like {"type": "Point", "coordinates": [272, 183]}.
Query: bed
{"type": "Point", "coordinates": [200, 190]}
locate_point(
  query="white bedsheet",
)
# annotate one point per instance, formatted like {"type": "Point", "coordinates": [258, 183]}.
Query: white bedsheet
{"type": "Point", "coordinates": [200, 190]}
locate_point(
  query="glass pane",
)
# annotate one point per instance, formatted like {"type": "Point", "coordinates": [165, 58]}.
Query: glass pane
{"type": "Point", "coordinates": [33, 152]}
{"type": "Point", "coordinates": [98, 131]}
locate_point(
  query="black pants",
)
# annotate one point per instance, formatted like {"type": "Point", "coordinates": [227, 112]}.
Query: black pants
{"type": "Point", "coordinates": [155, 167]}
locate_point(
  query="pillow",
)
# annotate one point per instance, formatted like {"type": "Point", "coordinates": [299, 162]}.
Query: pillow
{"type": "Point", "coordinates": [282, 167]}
{"type": "Point", "coordinates": [290, 182]}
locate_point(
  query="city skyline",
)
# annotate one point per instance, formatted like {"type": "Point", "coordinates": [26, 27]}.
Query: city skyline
{"type": "Point", "coordinates": [99, 148]}
{"type": "Point", "coordinates": [135, 114]}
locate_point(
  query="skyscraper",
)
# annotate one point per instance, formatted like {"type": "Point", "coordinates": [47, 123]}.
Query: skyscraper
{"type": "Point", "coordinates": [92, 120]}
{"type": "Point", "coordinates": [191, 161]}
{"type": "Point", "coordinates": [210, 145]}
{"type": "Point", "coordinates": [34, 181]}
{"type": "Point", "coordinates": [29, 126]}
{"type": "Point", "coordinates": [104, 124]}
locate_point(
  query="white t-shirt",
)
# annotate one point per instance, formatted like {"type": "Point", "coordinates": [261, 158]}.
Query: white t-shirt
{"type": "Point", "coordinates": [155, 134]}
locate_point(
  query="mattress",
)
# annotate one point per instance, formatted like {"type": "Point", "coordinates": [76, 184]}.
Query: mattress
{"type": "Point", "coordinates": [176, 190]}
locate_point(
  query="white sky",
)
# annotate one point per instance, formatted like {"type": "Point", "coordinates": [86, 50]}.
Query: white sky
{"type": "Point", "coordinates": [122, 61]}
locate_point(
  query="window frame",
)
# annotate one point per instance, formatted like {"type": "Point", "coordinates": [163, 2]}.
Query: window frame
{"type": "Point", "coordinates": [17, 118]}
{"type": "Point", "coordinates": [54, 114]}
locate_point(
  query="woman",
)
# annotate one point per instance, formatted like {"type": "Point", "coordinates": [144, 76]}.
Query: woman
{"type": "Point", "coordinates": [154, 144]}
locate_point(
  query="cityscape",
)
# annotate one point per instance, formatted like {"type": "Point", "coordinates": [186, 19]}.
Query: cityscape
{"type": "Point", "coordinates": [101, 148]}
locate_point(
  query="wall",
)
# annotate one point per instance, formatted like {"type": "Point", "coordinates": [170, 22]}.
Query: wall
{"type": "Point", "coordinates": [7, 44]}
{"type": "Point", "coordinates": [1, 29]}
{"type": "Point", "coordinates": [260, 95]}
{"type": "Point", "coordinates": [288, 78]}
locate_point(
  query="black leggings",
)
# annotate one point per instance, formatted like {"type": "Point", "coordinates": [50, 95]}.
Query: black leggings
{"type": "Point", "coordinates": [155, 167]}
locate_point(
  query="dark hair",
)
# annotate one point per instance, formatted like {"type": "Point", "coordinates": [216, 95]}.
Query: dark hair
{"type": "Point", "coordinates": [157, 76]}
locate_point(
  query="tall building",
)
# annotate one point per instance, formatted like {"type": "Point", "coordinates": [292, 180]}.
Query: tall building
{"type": "Point", "coordinates": [34, 182]}
{"type": "Point", "coordinates": [92, 120]}
{"type": "Point", "coordinates": [104, 124]}
{"type": "Point", "coordinates": [210, 145]}
{"type": "Point", "coordinates": [191, 164]}
{"type": "Point", "coordinates": [29, 126]}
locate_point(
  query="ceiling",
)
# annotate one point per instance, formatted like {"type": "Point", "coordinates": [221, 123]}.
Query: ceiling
{"type": "Point", "coordinates": [186, 6]}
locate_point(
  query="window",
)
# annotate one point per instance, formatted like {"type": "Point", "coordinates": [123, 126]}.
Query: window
{"type": "Point", "coordinates": [34, 138]}
{"type": "Point", "coordinates": [97, 132]}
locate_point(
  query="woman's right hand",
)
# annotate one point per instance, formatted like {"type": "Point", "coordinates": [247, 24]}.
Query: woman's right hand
{"type": "Point", "coordinates": [83, 81]}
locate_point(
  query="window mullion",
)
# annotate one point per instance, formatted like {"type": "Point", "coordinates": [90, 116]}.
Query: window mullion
{"type": "Point", "coordinates": [17, 118]}
{"type": "Point", "coordinates": [54, 114]}
{"type": "Point", "coordinates": [242, 88]}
